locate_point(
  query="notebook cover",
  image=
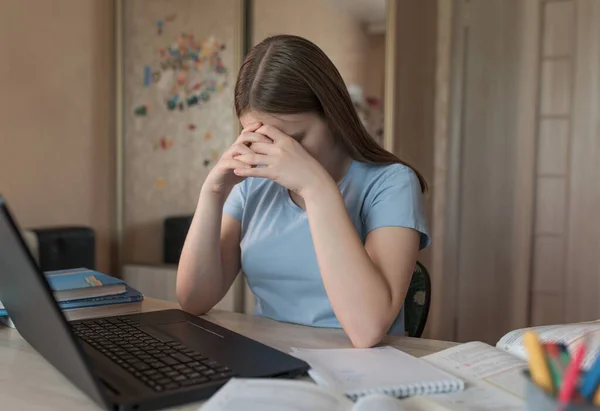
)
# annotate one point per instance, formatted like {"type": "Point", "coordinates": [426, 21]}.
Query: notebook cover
{"type": "Point", "coordinates": [64, 280]}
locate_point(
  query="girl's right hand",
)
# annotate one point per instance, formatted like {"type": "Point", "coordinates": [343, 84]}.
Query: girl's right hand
{"type": "Point", "coordinates": [221, 179]}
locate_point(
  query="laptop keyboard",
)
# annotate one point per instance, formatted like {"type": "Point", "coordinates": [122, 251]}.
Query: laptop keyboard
{"type": "Point", "coordinates": [163, 366]}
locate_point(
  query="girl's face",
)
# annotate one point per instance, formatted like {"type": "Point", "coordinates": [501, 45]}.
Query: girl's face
{"type": "Point", "coordinates": [308, 129]}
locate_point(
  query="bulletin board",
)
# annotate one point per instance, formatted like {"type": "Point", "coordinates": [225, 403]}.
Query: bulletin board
{"type": "Point", "coordinates": [179, 62]}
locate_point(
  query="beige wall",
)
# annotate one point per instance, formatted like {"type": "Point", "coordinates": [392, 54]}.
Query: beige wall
{"type": "Point", "coordinates": [340, 35]}
{"type": "Point", "coordinates": [414, 90]}
{"type": "Point", "coordinates": [375, 66]}
{"type": "Point", "coordinates": [56, 114]}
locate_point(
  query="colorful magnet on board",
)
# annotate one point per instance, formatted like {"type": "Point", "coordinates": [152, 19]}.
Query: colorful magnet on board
{"type": "Point", "coordinates": [192, 101]}
{"type": "Point", "coordinates": [159, 26]}
{"type": "Point", "coordinates": [207, 136]}
{"type": "Point", "coordinates": [147, 76]}
{"type": "Point", "coordinates": [165, 143]}
{"type": "Point", "coordinates": [160, 183]}
{"type": "Point", "coordinates": [171, 105]}
{"type": "Point", "coordinates": [192, 127]}
{"type": "Point", "coordinates": [141, 110]}
{"type": "Point", "coordinates": [206, 163]}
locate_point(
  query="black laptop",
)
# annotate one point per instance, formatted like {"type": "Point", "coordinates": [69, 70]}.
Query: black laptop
{"type": "Point", "coordinates": [133, 362]}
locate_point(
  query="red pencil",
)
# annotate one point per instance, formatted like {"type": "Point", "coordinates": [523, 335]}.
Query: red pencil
{"type": "Point", "coordinates": [572, 375]}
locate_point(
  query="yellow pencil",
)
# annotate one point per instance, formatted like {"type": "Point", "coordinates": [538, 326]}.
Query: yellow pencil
{"type": "Point", "coordinates": [538, 367]}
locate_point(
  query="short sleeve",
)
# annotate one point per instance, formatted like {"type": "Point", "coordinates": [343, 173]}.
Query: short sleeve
{"type": "Point", "coordinates": [234, 205]}
{"type": "Point", "coordinates": [396, 200]}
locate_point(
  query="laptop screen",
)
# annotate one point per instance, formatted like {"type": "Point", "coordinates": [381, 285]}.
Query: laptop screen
{"type": "Point", "coordinates": [30, 304]}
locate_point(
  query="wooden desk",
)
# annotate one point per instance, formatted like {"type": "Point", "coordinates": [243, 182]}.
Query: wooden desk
{"type": "Point", "coordinates": [28, 382]}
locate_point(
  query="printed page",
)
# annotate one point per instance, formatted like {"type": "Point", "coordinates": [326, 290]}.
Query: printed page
{"type": "Point", "coordinates": [275, 395]}
{"type": "Point", "coordinates": [494, 378]}
{"type": "Point", "coordinates": [569, 334]}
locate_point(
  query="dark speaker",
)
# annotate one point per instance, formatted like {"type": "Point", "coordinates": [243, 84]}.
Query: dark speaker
{"type": "Point", "coordinates": [175, 231]}
{"type": "Point", "coordinates": [63, 248]}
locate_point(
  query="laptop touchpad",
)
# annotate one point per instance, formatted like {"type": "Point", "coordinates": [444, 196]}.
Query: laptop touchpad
{"type": "Point", "coordinates": [188, 332]}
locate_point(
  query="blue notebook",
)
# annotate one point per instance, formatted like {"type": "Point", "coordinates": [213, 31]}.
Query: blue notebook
{"type": "Point", "coordinates": [82, 283]}
{"type": "Point", "coordinates": [130, 296]}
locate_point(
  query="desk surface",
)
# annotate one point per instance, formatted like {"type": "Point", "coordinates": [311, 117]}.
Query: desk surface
{"type": "Point", "coordinates": [28, 382]}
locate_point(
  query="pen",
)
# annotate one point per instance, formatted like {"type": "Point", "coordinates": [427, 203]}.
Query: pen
{"type": "Point", "coordinates": [538, 366]}
{"type": "Point", "coordinates": [591, 380]}
{"type": "Point", "coordinates": [565, 356]}
{"type": "Point", "coordinates": [554, 364]}
{"type": "Point", "coordinates": [571, 375]}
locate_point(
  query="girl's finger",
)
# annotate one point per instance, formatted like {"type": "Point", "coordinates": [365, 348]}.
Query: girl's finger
{"type": "Point", "coordinates": [250, 137]}
{"type": "Point", "coordinates": [264, 148]}
{"type": "Point", "coordinates": [254, 159]}
{"type": "Point", "coordinates": [237, 149]}
{"type": "Point", "coordinates": [233, 164]}
{"type": "Point", "coordinates": [252, 127]}
{"type": "Point", "coordinates": [256, 172]}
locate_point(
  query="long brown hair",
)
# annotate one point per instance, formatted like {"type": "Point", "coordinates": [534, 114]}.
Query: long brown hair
{"type": "Point", "coordinates": [287, 74]}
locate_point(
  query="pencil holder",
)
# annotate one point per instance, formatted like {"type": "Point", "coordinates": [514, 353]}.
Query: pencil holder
{"type": "Point", "coordinates": [539, 400]}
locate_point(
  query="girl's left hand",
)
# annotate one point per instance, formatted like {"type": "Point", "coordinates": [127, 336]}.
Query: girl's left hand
{"type": "Point", "coordinates": [286, 163]}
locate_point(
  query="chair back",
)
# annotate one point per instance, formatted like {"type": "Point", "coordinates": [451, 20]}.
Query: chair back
{"type": "Point", "coordinates": [416, 304]}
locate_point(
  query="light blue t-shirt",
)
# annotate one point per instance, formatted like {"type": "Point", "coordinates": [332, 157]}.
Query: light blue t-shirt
{"type": "Point", "coordinates": [278, 255]}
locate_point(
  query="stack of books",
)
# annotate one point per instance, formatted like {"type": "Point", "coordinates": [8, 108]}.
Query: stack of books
{"type": "Point", "coordinates": [83, 288]}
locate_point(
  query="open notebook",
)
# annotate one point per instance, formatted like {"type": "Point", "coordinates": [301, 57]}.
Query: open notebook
{"type": "Point", "coordinates": [384, 370]}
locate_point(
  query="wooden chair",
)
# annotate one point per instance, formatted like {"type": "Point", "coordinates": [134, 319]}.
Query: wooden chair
{"type": "Point", "coordinates": [416, 304]}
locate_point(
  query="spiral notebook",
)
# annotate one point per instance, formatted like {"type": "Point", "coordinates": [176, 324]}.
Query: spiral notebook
{"type": "Point", "coordinates": [382, 370]}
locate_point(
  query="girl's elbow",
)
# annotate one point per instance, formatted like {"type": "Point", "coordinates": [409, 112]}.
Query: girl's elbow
{"type": "Point", "coordinates": [366, 338]}
{"type": "Point", "coordinates": [187, 302]}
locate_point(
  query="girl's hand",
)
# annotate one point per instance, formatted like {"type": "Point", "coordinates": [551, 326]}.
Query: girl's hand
{"type": "Point", "coordinates": [221, 178]}
{"type": "Point", "coordinates": [286, 162]}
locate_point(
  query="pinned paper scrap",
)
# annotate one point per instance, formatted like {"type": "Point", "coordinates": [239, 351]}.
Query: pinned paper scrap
{"type": "Point", "coordinates": [159, 26]}
{"type": "Point", "coordinates": [207, 136]}
{"type": "Point", "coordinates": [181, 78]}
{"type": "Point", "coordinates": [192, 101]}
{"type": "Point", "coordinates": [141, 110]}
{"type": "Point", "coordinates": [165, 143]}
{"type": "Point", "coordinates": [147, 76]}
{"type": "Point", "coordinates": [160, 183]}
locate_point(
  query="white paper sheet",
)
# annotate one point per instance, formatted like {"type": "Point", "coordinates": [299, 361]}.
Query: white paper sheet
{"type": "Point", "coordinates": [275, 395]}
{"type": "Point", "coordinates": [289, 395]}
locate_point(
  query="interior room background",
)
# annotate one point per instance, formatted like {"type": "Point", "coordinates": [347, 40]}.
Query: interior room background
{"type": "Point", "coordinates": [495, 101]}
